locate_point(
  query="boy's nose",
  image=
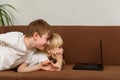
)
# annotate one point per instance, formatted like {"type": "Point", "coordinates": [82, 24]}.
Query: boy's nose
{"type": "Point", "coordinates": [48, 42]}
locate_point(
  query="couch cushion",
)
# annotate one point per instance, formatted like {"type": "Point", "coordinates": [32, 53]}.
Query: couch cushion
{"type": "Point", "coordinates": [16, 28]}
{"type": "Point", "coordinates": [81, 43]}
{"type": "Point", "coordinates": [109, 73]}
{"type": "Point", "coordinates": [2, 29]}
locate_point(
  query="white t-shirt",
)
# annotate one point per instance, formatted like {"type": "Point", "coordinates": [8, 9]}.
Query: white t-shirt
{"type": "Point", "coordinates": [11, 57]}
{"type": "Point", "coordinates": [36, 58]}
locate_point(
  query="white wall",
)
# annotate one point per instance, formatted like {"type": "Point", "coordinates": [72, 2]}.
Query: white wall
{"type": "Point", "coordinates": [68, 12]}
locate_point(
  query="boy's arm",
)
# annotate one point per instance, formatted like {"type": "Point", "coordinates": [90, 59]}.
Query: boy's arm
{"type": "Point", "coordinates": [58, 54]}
{"type": "Point", "coordinates": [59, 62]}
{"type": "Point", "coordinates": [48, 66]}
{"type": "Point", "coordinates": [45, 65]}
{"type": "Point", "coordinates": [25, 68]}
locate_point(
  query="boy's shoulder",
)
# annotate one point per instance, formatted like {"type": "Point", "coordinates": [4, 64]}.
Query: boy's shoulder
{"type": "Point", "coordinates": [14, 33]}
{"type": "Point", "coordinates": [11, 34]}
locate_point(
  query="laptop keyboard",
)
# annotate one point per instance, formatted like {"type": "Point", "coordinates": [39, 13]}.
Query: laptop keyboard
{"type": "Point", "coordinates": [82, 66]}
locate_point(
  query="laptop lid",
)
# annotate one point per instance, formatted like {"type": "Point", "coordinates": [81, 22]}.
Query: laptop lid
{"type": "Point", "coordinates": [91, 66]}
{"type": "Point", "coordinates": [101, 53]}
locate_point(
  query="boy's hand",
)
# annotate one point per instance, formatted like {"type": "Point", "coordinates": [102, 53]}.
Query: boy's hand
{"type": "Point", "coordinates": [45, 63]}
{"type": "Point", "coordinates": [56, 51]}
{"type": "Point", "coordinates": [58, 56]}
{"type": "Point", "coordinates": [48, 66]}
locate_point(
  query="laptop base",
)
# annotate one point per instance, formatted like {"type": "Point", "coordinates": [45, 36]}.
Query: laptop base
{"type": "Point", "coordinates": [88, 66]}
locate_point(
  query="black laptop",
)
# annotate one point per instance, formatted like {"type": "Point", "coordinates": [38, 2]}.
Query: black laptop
{"type": "Point", "coordinates": [91, 66]}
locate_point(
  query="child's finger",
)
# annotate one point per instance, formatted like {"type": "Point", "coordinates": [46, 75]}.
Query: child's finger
{"type": "Point", "coordinates": [46, 63]}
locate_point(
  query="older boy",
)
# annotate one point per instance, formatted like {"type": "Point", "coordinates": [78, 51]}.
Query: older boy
{"type": "Point", "coordinates": [15, 46]}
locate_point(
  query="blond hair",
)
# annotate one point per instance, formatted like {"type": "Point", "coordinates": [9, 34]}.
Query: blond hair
{"type": "Point", "coordinates": [55, 41]}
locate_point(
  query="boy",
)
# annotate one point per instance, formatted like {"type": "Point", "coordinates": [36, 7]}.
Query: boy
{"type": "Point", "coordinates": [15, 46]}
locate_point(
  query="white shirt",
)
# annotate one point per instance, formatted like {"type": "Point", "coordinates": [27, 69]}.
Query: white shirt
{"type": "Point", "coordinates": [11, 57]}
{"type": "Point", "coordinates": [36, 58]}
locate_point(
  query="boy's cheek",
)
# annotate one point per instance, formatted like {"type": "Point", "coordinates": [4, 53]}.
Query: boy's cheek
{"type": "Point", "coordinates": [41, 48]}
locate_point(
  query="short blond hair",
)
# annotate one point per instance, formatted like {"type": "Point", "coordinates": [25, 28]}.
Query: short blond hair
{"type": "Point", "coordinates": [55, 41]}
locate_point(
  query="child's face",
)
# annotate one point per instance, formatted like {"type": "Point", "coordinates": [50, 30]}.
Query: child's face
{"type": "Point", "coordinates": [42, 41]}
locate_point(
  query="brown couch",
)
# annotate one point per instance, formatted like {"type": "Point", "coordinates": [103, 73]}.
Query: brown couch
{"type": "Point", "coordinates": [81, 44]}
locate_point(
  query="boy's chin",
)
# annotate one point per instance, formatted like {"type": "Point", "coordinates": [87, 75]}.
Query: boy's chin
{"type": "Point", "coordinates": [42, 48]}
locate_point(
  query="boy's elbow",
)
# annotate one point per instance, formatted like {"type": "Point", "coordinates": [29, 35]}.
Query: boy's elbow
{"type": "Point", "coordinates": [20, 71]}
{"type": "Point", "coordinates": [59, 70]}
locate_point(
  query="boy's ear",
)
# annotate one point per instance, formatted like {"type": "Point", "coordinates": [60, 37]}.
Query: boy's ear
{"type": "Point", "coordinates": [35, 35]}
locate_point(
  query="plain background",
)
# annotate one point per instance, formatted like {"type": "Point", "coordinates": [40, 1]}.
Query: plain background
{"type": "Point", "coordinates": [67, 12]}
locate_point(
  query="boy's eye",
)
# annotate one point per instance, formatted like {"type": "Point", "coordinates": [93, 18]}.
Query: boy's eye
{"type": "Point", "coordinates": [48, 38]}
{"type": "Point", "coordinates": [60, 46]}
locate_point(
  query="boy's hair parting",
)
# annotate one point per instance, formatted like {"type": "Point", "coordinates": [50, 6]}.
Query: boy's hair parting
{"type": "Point", "coordinates": [40, 26]}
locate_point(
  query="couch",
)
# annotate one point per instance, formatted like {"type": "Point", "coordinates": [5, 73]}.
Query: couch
{"type": "Point", "coordinates": [81, 44]}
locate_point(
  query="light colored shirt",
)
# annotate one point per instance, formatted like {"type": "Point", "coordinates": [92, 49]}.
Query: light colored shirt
{"type": "Point", "coordinates": [36, 58]}
{"type": "Point", "coordinates": [14, 53]}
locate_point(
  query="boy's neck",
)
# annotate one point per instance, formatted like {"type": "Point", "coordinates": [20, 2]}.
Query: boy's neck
{"type": "Point", "coordinates": [28, 42]}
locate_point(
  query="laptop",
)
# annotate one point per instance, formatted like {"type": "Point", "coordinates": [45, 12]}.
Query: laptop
{"type": "Point", "coordinates": [91, 66]}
